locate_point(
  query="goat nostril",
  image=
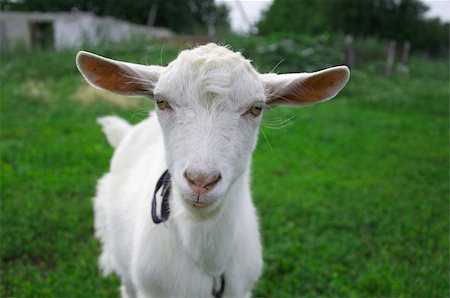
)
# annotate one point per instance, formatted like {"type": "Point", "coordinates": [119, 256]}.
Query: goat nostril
{"type": "Point", "coordinates": [190, 181]}
{"type": "Point", "coordinates": [214, 181]}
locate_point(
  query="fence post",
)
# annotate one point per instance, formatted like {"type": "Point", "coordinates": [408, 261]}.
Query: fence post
{"type": "Point", "coordinates": [4, 42]}
{"type": "Point", "coordinates": [390, 57]}
{"type": "Point", "coordinates": [349, 51]}
{"type": "Point", "coordinates": [404, 66]}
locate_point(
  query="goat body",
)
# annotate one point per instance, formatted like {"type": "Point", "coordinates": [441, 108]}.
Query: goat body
{"type": "Point", "coordinates": [209, 104]}
{"type": "Point", "coordinates": [180, 257]}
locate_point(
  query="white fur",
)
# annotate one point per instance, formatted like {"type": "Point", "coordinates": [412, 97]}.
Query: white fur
{"type": "Point", "coordinates": [114, 128]}
{"type": "Point", "coordinates": [208, 129]}
{"type": "Point", "coordinates": [180, 257]}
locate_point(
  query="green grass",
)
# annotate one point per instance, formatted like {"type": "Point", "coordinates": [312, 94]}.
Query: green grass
{"type": "Point", "coordinates": [352, 197]}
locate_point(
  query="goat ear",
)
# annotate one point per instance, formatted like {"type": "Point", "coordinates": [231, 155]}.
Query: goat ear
{"type": "Point", "coordinates": [116, 76]}
{"type": "Point", "coordinates": [305, 88]}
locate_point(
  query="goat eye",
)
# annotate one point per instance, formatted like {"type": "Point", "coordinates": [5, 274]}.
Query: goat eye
{"type": "Point", "coordinates": [162, 105]}
{"type": "Point", "coordinates": [255, 110]}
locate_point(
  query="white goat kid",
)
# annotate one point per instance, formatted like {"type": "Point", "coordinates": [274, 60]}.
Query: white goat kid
{"type": "Point", "coordinates": [210, 101]}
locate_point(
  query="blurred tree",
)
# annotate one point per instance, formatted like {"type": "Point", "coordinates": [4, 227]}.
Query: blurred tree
{"type": "Point", "coordinates": [388, 19]}
{"type": "Point", "coordinates": [305, 16]}
{"type": "Point", "coordinates": [185, 16]}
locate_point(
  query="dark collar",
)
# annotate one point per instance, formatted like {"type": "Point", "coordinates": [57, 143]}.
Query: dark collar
{"type": "Point", "coordinates": [163, 181]}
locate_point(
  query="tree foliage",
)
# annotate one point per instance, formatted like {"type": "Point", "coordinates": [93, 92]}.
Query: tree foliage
{"type": "Point", "coordinates": [185, 16]}
{"type": "Point", "coordinates": [387, 19]}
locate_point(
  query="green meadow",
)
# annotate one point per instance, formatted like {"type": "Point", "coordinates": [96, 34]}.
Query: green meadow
{"type": "Point", "coordinates": [352, 194]}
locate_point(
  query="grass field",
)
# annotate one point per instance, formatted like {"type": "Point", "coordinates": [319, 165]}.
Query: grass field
{"type": "Point", "coordinates": [352, 194]}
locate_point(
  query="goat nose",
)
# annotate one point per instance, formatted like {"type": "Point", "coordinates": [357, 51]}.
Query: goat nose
{"type": "Point", "coordinates": [202, 182]}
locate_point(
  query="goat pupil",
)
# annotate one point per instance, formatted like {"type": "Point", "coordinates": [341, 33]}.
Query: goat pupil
{"type": "Point", "coordinates": [162, 104]}
{"type": "Point", "coordinates": [255, 110]}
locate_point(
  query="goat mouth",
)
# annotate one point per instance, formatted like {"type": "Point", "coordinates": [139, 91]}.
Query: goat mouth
{"type": "Point", "coordinates": [197, 203]}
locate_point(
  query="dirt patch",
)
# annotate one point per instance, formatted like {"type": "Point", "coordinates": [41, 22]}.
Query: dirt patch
{"type": "Point", "coordinates": [36, 90]}
{"type": "Point", "coordinates": [88, 95]}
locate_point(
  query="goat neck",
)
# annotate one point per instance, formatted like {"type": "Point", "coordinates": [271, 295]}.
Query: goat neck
{"type": "Point", "coordinates": [210, 241]}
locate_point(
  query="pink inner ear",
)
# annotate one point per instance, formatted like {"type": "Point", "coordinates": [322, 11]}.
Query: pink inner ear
{"type": "Point", "coordinates": [110, 76]}
{"type": "Point", "coordinates": [315, 88]}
